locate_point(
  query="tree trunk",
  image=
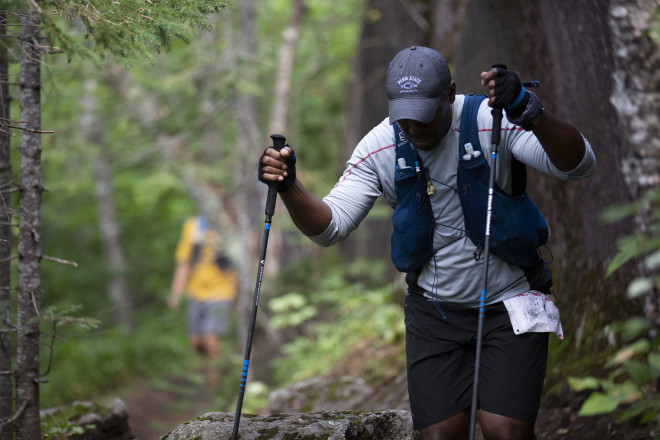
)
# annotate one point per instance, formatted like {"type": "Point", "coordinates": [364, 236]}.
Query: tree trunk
{"type": "Point", "coordinates": [636, 97]}
{"type": "Point", "coordinates": [568, 47]}
{"type": "Point", "coordinates": [388, 27]}
{"type": "Point", "coordinates": [284, 75]}
{"type": "Point", "coordinates": [279, 123]}
{"type": "Point", "coordinates": [6, 383]}
{"type": "Point", "coordinates": [249, 139]}
{"type": "Point", "coordinates": [29, 238]}
{"type": "Point", "coordinates": [107, 211]}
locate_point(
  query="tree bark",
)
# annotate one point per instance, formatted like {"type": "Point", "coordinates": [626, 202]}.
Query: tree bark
{"type": "Point", "coordinates": [107, 211]}
{"type": "Point", "coordinates": [284, 75]}
{"type": "Point", "coordinates": [6, 382]}
{"type": "Point", "coordinates": [29, 238]}
{"type": "Point", "coordinates": [388, 27]}
{"type": "Point", "coordinates": [569, 49]}
{"type": "Point", "coordinates": [636, 97]}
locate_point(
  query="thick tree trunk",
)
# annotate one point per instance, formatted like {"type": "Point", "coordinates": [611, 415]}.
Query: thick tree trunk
{"type": "Point", "coordinates": [6, 383]}
{"type": "Point", "coordinates": [389, 26]}
{"type": "Point", "coordinates": [636, 97]}
{"type": "Point", "coordinates": [569, 47]}
{"type": "Point", "coordinates": [29, 239]}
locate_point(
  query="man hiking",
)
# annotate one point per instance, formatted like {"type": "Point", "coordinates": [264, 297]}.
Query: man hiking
{"type": "Point", "coordinates": [420, 140]}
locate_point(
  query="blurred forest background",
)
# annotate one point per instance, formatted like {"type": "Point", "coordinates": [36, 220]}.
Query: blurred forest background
{"type": "Point", "coordinates": [149, 114]}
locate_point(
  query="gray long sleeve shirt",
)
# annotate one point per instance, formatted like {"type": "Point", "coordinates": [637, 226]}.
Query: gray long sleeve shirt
{"type": "Point", "coordinates": [452, 274]}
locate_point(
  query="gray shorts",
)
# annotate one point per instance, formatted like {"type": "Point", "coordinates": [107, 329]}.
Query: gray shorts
{"type": "Point", "coordinates": [208, 317]}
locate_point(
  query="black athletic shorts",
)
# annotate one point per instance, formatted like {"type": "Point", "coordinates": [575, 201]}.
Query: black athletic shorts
{"type": "Point", "coordinates": [440, 358]}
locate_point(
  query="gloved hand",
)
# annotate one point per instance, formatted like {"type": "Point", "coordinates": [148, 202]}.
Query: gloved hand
{"type": "Point", "coordinates": [290, 177]}
{"type": "Point", "coordinates": [509, 92]}
{"type": "Point", "coordinates": [522, 107]}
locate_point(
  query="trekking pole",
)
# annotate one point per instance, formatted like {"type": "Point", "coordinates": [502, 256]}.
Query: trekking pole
{"type": "Point", "coordinates": [495, 141]}
{"type": "Point", "coordinates": [278, 143]}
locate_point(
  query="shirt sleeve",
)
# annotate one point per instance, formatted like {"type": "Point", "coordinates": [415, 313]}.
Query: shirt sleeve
{"type": "Point", "coordinates": [527, 149]}
{"type": "Point", "coordinates": [359, 186]}
{"type": "Point", "coordinates": [184, 246]}
{"type": "Point", "coordinates": [525, 146]}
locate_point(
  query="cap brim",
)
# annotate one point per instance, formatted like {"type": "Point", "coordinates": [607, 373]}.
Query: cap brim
{"type": "Point", "coordinates": [416, 109]}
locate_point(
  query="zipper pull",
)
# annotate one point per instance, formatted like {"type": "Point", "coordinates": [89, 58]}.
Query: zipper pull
{"type": "Point", "coordinates": [430, 189]}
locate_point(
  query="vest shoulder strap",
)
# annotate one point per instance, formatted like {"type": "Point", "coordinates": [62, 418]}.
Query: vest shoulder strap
{"type": "Point", "coordinates": [403, 148]}
{"type": "Point", "coordinates": [469, 128]}
{"type": "Point", "coordinates": [470, 134]}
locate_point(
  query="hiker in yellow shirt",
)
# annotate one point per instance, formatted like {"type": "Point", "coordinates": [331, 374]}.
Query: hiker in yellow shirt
{"type": "Point", "coordinates": [206, 276]}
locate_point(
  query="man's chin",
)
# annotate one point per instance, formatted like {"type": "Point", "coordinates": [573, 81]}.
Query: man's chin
{"type": "Point", "coordinates": [425, 144]}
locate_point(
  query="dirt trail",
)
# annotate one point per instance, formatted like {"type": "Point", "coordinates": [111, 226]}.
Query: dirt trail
{"type": "Point", "coordinates": [156, 409]}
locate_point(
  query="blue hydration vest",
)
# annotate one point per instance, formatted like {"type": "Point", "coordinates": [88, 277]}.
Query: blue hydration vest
{"type": "Point", "coordinates": [517, 226]}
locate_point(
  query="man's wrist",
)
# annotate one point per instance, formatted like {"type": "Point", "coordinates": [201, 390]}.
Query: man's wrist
{"type": "Point", "coordinates": [534, 123]}
{"type": "Point", "coordinates": [530, 117]}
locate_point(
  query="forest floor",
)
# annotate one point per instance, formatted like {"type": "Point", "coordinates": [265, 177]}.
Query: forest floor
{"type": "Point", "coordinates": [155, 409]}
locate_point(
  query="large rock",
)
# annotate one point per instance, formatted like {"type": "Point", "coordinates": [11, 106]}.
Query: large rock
{"type": "Point", "coordinates": [320, 394]}
{"type": "Point", "coordinates": [327, 425]}
{"type": "Point", "coordinates": [88, 421]}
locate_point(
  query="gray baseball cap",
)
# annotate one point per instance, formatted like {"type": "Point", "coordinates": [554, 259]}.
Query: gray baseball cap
{"type": "Point", "coordinates": [416, 80]}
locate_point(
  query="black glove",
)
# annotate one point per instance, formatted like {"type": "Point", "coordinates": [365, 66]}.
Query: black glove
{"type": "Point", "coordinates": [522, 107]}
{"type": "Point", "coordinates": [290, 177]}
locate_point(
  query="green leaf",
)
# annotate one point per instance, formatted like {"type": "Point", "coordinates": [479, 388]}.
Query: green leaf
{"type": "Point", "coordinates": [633, 411]}
{"type": "Point", "coordinates": [634, 328]}
{"type": "Point", "coordinates": [626, 392]}
{"type": "Point", "coordinates": [640, 372]}
{"type": "Point", "coordinates": [598, 403]}
{"type": "Point", "coordinates": [618, 212]}
{"type": "Point", "coordinates": [629, 247]}
{"type": "Point", "coordinates": [583, 383]}
{"type": "Point", "coordinates": [629, 351]}
{"type": "Point", "coordinates": [632, 246]}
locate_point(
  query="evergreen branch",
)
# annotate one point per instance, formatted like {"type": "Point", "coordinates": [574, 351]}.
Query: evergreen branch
{"type": "Point", "coordinates": [126, 31]}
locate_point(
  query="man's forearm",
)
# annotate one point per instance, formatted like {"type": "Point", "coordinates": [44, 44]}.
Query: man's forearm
{"type": "Point", "coordinates": [310, 214]}
{"type": "Point", "coordinates": [561, 141]}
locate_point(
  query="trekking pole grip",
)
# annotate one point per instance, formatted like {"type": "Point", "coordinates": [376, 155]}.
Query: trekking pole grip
{"type": "Point", "coordinates": [497, 116]}
{"type": "Point", "coordinates": [278, 144]}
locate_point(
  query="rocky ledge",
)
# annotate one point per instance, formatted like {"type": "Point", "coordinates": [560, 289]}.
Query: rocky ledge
{"type": "Point", "coordinates": [325, 425]}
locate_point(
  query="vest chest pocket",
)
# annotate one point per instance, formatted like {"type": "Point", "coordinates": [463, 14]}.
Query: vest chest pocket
{"type": "Point", "coordinates": [412, 220]}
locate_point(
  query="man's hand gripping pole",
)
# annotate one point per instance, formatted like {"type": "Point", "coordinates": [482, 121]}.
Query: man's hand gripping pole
{"type": "Point", "coordinates": [278, 144]}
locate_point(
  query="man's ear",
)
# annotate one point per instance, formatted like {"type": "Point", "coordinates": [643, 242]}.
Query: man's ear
{"type": "Point", "coordinates": [452, 92]}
